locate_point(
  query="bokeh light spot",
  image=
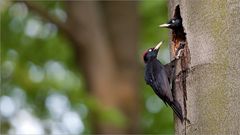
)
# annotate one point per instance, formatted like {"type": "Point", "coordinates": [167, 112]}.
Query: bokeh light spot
{"type": "Point", "coordinates": [57, 104]}
{"type": "Point", "coordinates": [154, 104]}
{"type": "Point", "coordinates": [33, 27]}
{"type": "Point", "coordinates": [36, 73]}
{"type": "Point", "coordinates": [73, 123]}
{"type": "Point", "coordinates": [7, 106]}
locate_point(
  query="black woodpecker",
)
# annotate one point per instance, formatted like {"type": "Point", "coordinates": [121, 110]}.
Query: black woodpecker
{"type": "Point", "coordinates": [175, 24]}
{"type": "Point", "coordinates": [178, 34]}
{"type": "Point", "coordinates": [156, 76]}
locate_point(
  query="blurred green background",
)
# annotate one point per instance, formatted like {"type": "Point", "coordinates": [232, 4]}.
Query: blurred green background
{"type": "Point", "coordinates": [42, 90]}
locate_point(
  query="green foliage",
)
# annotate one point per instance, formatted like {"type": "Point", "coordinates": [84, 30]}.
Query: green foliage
{"type": "Point", "coordinates": [112, 116]}
{"type": "Point", "coordinates": [38, 62]}
{"type": "Point", "coordinates": [108, 115]}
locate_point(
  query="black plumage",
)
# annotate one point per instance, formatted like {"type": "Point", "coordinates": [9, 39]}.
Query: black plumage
{"type": "Point", "coordinates": [176, 25]}
{"type": "Point", "coordinates": [179, 45]}
{"type": "Point", "coordinates": [178, 34]}
{"type": "Point", "coordinates": [156, 76]}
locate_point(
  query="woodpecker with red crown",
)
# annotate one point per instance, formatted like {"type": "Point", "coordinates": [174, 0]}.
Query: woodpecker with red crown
{"type": "Point", "coordinates": [156, 76]}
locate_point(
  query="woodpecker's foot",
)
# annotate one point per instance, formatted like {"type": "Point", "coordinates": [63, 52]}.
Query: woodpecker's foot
{"type": "Point", "coordinates": [187, 120]}
{"type": "Point", "coordinates": [179, 54]}
{"type": "Point", "coordinates": [179, 50]}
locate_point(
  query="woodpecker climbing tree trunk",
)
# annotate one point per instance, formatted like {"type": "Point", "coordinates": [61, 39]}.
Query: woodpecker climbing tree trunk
{"type": "Point", "coordinates": [213, 80]}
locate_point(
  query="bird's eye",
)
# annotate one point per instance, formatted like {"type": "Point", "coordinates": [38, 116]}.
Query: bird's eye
{"type": "Point", "coordinates": [150, 50]}
{"type": "Point", "coordinates": [173, 21]}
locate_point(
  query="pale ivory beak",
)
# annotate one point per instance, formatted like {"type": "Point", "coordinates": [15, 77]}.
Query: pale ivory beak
{"type": "Point", "coordinates": [164, 25]}
{"type": "Point", "coordinates": [158, 45]}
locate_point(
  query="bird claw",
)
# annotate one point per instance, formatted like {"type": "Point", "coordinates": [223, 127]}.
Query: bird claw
{"type": "Point", "coordinates": [187, 120]}
{"type": "Point", "coordinates": [179, 50]}
{"type": "Point", "coordinates": [179, 54]}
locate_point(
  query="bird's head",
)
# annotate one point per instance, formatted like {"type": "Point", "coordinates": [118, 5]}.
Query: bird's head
{"type": "Point", "coordinates": [174, 24]}
{"type": "Point", "coordinates": [151, 53]}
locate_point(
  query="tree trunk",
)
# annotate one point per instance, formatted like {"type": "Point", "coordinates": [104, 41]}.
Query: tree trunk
{"type": "Point", "coordinates": [213, 80]}
{"type": "Point", "coordinates": [107, 49]}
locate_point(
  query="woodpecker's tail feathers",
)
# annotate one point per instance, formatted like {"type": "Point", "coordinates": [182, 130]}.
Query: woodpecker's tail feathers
{"type": "Point", "coordinates": [177, 109]}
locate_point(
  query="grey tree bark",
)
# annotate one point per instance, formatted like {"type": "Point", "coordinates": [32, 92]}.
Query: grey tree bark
{"type": "Point", "coordinates": [213, 81]}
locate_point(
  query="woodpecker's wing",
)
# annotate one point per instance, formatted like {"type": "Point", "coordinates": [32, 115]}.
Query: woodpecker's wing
{"type": "Point", "coordinates": [169, 68]}
{"type": "Point", "coordinates": [156, 77]}
{"type": "Point", "coordinates": [160, 82]}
